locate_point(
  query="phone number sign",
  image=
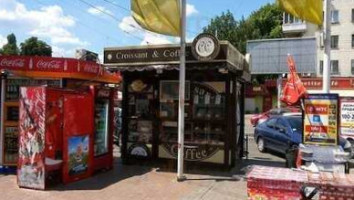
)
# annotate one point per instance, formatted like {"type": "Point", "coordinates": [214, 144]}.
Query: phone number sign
{"type": "Point", "coordinates": [347, 116]}
{"type": "Point", "coordinates": [321, 119]}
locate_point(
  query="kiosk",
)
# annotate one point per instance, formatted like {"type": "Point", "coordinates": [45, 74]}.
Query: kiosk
{"type": "Point", "coordinates": [17, 71]}
{"type": "Point", "coordinates": [216, 74]}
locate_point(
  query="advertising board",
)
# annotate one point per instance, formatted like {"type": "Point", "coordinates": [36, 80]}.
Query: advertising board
{"type": "Point", "coordinates": [321, 119]}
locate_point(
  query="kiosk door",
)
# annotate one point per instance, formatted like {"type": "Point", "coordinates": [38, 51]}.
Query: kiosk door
{"type": "Point", "coordinates": [78, 137]}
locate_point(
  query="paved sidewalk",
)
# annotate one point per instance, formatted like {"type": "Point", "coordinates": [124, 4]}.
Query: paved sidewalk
{"type": "Point", "coordinates": [147, 182]}
{"type": "Point", "coordinates": [133, 182]}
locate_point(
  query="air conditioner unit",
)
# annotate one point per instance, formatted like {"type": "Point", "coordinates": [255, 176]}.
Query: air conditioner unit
{"type": "Point", "coordinates": [306, 74]}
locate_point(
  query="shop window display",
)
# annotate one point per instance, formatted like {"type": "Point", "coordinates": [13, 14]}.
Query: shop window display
{"type": "Point", "coordinates": [140, 122]}
{"type": "Point", "coordinates": [204, 118]}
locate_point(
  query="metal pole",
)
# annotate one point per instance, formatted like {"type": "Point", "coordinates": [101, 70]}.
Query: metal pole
{"type": "Point", "coordinates": [279, 81]}
{"type": "Point", "coordinates": [182, 78]}
{"type": "Point", "coordinates": [2, 114]}
{"type": "Point", "coordinates": [327, 47]}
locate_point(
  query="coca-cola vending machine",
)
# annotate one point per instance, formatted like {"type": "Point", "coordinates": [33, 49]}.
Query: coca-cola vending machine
{"type": "Point", "coordinates": [104, 127]}
{"type": "Point", "coordinates": [78, 137]}
{"type": "Point", "coordinates": [55, 136]}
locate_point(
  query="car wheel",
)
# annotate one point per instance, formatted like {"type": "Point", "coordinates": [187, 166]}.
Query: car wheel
{"type": "Point", "coordinates": [261, 145]}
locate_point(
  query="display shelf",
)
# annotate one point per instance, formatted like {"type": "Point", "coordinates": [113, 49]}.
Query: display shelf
{"type": "Point", "coordinates": [10, 123]}
{"type": "Point", "coordinates": [140, 118]}
{"type": "Point", "coordinates": [140, 93]}
{"type": "Point", "coordinates": [210, 121]}
{"type": "Point", "coordinates": [10, 144]}
{"type": "Point", "coordinates": [186, 142]}
{"type": "Point", "coordinates": [11, 112]}
{"type": "Point", "coordinates": [209, 105]}
{"type": "Point", "coordinates": [209, 132]}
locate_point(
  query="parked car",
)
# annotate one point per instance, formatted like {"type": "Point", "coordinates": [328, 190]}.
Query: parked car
{"type": "Point", "coordinates": [279, 133]}
{"type": "Point", "coordinates": [259, 118]}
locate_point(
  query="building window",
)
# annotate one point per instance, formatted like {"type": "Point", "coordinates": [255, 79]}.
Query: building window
{"type": "Point", "coordinates": [334, 41]}
{"type": "Point", "coordinates": [289, 19]}
{"type": "Point", "coordinates": [352, 15]}
{"type": "Point", "coordinates": [352, 41]}
{"type": "Point", "coordinates": [352, 66]}
{"type": "Point", "coordinates": [334, 67]}
{"type": "Point", "coordinates": [335, 16]}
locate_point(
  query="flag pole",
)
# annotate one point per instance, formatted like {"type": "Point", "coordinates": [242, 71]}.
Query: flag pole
{"type": "Point", "coordinates": [327, 48]}
{"type": "Point", "coordinates": [182, 78]}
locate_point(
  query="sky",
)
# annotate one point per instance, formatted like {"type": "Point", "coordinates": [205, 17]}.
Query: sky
{"type": "Point", "coordinates": [68, 25]}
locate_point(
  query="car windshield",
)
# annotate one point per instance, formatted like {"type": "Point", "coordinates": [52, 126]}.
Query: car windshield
{"type": "Point", "coordinates": [295, 123]}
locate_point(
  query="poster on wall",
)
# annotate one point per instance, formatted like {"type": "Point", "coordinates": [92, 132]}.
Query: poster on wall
{"type": "Point", "coordinates": [321, 119]}
{"type": "Point", "coordinates": [78, 154]}
{"type": "Point", "coordinates": [346, 125]}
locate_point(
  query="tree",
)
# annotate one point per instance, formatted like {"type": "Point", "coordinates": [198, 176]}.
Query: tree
{"type": "Point", "coordinates": [264, 23]}
{"type": "Point", "coordinates": [261, 24]}
{"type": "Point", "coordinates": [34, 47]}
{"type": "Point", "coordinates": [11, 47]}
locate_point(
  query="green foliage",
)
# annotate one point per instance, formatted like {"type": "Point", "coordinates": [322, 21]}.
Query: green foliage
{"type": "Point", "coordinates": [264, 23]}
{"type": "Point", "coordinates": [261, 24]}
{"type": "Point", "coordinates": [11, 47]}
{"type": "Point", "coordinates": [34, 47]}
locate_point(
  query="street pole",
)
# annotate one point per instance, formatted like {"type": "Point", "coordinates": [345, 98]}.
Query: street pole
{"type": "Point", "coordinates": [327, 48]}
{"type": "Point", "coordinates": [2, 113]}
{"type": "Point", "coordinates": [279, 82]}
{"type": "Point", "coordinates": [182, 78]}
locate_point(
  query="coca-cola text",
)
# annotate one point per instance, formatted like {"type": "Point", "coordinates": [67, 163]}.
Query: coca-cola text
{"type": "Point", "coordinates": [12, 62]}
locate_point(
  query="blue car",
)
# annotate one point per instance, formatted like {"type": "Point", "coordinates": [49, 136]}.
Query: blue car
{"type": "Point", "coordinates": [283, 132]}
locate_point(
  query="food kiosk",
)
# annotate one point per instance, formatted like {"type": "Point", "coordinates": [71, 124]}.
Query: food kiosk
{"type": "Point", "coordinates": [17, 71]}
{"type": "Point", "coordinates": [216, 74]}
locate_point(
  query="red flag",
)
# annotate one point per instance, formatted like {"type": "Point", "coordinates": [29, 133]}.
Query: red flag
{"type": "Point", "coordinates": [294, 89]}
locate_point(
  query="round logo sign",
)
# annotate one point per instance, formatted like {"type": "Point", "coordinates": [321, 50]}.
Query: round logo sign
{"type": "Point", "coordinates": [139, 150]}
{"type": "Point", "coordinates": [205, 47]}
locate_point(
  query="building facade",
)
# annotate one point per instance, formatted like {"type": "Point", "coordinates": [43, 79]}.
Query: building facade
{"type": "Point", "coordinates": [342, 37]}
{"type": "Point", "coordinates": [342, 56]}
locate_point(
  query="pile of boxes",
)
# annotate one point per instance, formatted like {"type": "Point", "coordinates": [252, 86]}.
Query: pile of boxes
{"type": "Point", "coordinates": [281, 183]}
{"type": "Point", "coordinates": [275, 183]}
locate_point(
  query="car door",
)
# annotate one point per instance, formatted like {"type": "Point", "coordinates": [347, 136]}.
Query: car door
{"type": "Point", "coordinates": [268, 132]}
{"type": "Point", "coordinates": [281, 135]}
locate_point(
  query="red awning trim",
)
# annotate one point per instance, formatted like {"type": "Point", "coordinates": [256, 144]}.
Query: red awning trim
{"type": "Point", "coordinates": [50, 67]}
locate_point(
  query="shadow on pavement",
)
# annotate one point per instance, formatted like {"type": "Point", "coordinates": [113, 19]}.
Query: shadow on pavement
{"type": "Point", "coordinates": [103, 179]}
{"type": "Point", "coordinates": [194, 172]}
{"type": "Point", "coordinates": [202, 173]}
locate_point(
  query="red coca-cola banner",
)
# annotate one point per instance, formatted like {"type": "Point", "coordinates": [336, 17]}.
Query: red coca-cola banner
{"type": "Point", "coordinates": [13, 62]}
{"type": "Point", "coordinates": [50, 67]}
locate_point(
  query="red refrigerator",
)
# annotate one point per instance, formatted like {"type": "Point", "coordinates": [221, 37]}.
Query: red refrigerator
{"type": "Point", "coordinates": [103, 127]}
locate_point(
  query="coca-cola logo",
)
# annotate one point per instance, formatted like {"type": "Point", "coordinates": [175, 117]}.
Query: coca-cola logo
{"type": "Point", "coordinates": [91, 68]}
{"type": "Point", "coordinates": [12, 62]}
{"type": "Point", "coordinates": [53, 64]}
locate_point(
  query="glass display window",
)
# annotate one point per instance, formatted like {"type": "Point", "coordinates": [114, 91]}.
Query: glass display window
{"type": "Point", "coordinates": [101, 127]}
{"type": "Point", "coordinates": [10, 144]}
{"type": "Point", "coordinates": [169, 90]}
